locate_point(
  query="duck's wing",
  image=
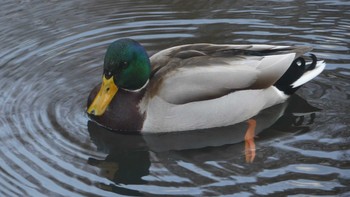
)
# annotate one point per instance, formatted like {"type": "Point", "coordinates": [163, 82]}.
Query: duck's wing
{"type": "Point", "coordinates": [197, 72]}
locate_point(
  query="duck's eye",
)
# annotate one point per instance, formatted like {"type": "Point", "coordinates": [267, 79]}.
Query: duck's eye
{"type": "Point", "coordinates": [124, 65]}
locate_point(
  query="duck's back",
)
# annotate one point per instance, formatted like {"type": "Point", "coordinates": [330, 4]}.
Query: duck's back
{"type": "Point", "coordinates": [196, 72]}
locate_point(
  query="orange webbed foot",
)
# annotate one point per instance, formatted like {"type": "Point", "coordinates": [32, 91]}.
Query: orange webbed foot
{"type": "Point", "coordinates": [249, 141]}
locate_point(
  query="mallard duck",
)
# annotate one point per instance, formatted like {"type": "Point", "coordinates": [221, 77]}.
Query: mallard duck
{"type": "Point", "coordinates": [195, 86]}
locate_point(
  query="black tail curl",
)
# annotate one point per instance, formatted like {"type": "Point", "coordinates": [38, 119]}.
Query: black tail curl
{"type": "Point", "coordinates": [294, 72]}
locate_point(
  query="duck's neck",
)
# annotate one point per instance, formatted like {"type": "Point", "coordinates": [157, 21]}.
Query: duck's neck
{"type": "Point", "coordinates": [139, 89]}
{"type": "Point", "coordinates": [122, 113]}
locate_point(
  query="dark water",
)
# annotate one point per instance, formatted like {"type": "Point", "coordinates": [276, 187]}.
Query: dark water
{"type": "Point", "coordinates": [51, 55]}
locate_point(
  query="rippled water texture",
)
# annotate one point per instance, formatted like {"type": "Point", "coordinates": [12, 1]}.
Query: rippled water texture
{"type": "Point", "coordinates": [51, 56]}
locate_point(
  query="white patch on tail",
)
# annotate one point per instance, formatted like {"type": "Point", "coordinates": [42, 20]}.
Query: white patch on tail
{"type": "Point", "coordinates": [308, 75]}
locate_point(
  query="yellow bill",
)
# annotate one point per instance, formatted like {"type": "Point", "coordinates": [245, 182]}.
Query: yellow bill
{"type": "Point", "coordinates": [103, 97]}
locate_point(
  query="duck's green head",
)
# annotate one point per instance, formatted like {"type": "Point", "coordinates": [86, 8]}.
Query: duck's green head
{"type": "Point", "coordinates": [126, 66]}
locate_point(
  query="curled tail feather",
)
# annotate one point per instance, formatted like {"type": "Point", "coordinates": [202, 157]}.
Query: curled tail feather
{"type": "Point", "coordinates": [299, 73]}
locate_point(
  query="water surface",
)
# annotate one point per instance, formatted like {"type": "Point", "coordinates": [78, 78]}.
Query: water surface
{"type": "Point", "coordinates": [51, 56]}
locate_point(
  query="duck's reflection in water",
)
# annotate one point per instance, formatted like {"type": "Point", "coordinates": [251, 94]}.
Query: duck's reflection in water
{"type": "Point", "coordinates": [128, 159]}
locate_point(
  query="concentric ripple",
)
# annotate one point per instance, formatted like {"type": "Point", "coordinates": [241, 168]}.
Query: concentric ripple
{"type": "Point", "coordinates": [51, 56]}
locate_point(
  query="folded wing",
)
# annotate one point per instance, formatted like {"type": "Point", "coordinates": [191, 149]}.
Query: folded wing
{"type": "Point", "coordinates": [206, 71]}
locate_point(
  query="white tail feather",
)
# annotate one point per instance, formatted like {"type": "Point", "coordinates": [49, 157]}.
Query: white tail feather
{"type": "Point", "coordinates": [308, 75]}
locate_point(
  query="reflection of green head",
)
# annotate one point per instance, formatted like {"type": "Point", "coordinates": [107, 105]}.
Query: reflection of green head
{"type": "Point", "coordinates": [128, 62]}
